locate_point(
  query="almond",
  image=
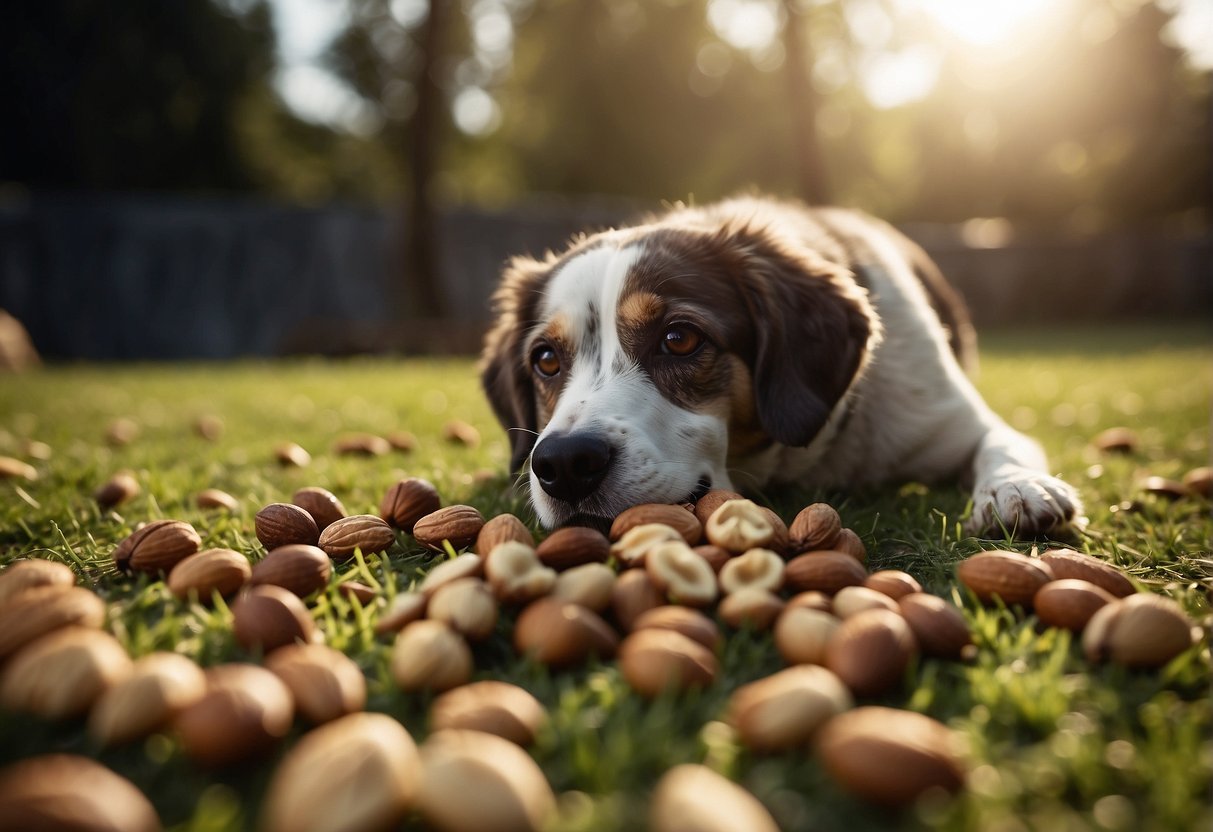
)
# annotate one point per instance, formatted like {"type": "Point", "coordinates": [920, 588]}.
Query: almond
{"type": "Point", "coordinates": [893, 583]}
{"type": "Point", "coordinates": [751, 607]}
{"type": "Point", "coordinates": [758, 568]}
{"type": "Point", "coordinates": [676, 517]}
{"type": "Point", "coordinates": [117, 489]}
{"type": "Point", "coordinates": [502, 528]}
{"type": "Point", "coordinates": [404, 609]}
{"type": "Point", "coordinates": [61, 674]}
{"type": "Point", "coordinates": [281, 524]}
{"type": "Point", "coordinates": [693, 797]}
{"type": "Point", "coordinates": [27, 574]}
{"type": "Point", "coordinates": [429, 655]}
{"type": "Point", "coordinates": [325, 683]}
{"type": "Point", "coordinates": [560, 634]}
{"type": "Point", "coordinates": [1013, 577]}
{"type": "Point", "coordinates": [458, 524]}
{"type": "Point", "coordinates": [359, 773]}
{"type": "Point", "coordinates": [213, 498]}
{"type": "Point", "coordinates": [510, 790]}
{"type": "Point", "coordinates": [466, 565]}
{"type": "Point", "coordinates": [516, 575]}
{"type": "Point", "coordinates": [364, 532]}
{"type": "Point", "coordinates": [825, 571]}
{"type": "Point", "coordinates": [467, 606]}
{"type": "Point", "coordinates": [245, 711]}
{"type": "Point", "coordinates": [16, 469]}
{"type": "Point", "coordinates": [158, 687]}
{"type": "Point", "coordinates": [816, 527]}
{"type": "Point", "coordinates": [655, 661]}
{"type": "Point", "coordinates": [207, 572]}
{"type": "Point", "coordinates": [321, 503]}
{"type": "Point", "coordinates": [871, 651]}
{"type": "Point", "coordinates": [681, 574]}
{"type": "Point", "coordinates": [634, 545]}
{"type": "Point", "coordinates": [64, 791]}
{"type": "Point", "coordinates": [408, 501]}
{"type": "Point", "coordinates": [706, 505]}
{"type": "Point", "coordinates": [1069, 603]}
{"type": "Point", "coordinates": [692, 624]}
{"type": "Point", "coordinates": [41, 610]}
{"type": "Point", "coordinates": [269, 616]}
{"type": "Point", "coordinates": [802, 634]}
{"type": "Point", "coordinates": [890, 756]}
{"type": "Point", "coordinates": [740, 525]}
{"type": "Point", "coordinates": [498, 708]}
{"type": "Point", "coordinates": [1066, 563]}
{"type": "Point", "coordinates": [157, 547]}
{"type": "Point", "coordinates": [573, 546]}
{"type": "Point", "coordinates": [1141, 631]}
{"type": "Point", "coordinates": [634, 593]}
{"type": "Point", "coordinates": [298, 568]}
{"type": "Point", "coordinates": [852, 600]}
{"type": "Point", "coordinates": [850, 543]}
{"type": "Point", "coordinates": [361, 444]}
{"type": "Point", "coordinates": [590, 585]}
{"type": "Point", "coordinates": [290, 455]}
{"type": "Point", "coordinates": [783, 711]}
{"type": "Point", "coordinates": [939, 628]}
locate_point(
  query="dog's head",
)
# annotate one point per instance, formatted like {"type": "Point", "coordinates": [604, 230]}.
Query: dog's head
{"type": "Point", "coordinates": [631, 367]}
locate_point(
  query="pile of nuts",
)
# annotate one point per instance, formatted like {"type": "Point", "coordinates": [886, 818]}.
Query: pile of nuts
{"type": "Point", "coordinates": [642, 594]}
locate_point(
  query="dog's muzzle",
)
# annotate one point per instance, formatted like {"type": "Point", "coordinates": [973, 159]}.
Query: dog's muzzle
{"type": "Point", "coordinates": [571, 466]}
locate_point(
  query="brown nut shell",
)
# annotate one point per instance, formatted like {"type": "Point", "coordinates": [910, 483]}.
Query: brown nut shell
{"type": "Point", "coordinates": [560, 634]}
{"type": "Point", "coordinates": [297, 568]}
{"type": "Point", "coordinates": [500, 529]}
{"type": "Point", "coordinates": [458, 524]}
{"type": "Point", "coordinates": [281, 524]}
{"type": "Point", "coordinates": [213, 498]}
{"type": "Point", "coordinates": [655, 660]}
{"type": "Point", "coordinates": [634, 593]}
{"type": "Point", "coordinates": [429, 655]}
{"type": "Point", "coordinates": [573, 546]}
{"type": "Point", "coordinates": [1069, 603]}
{"type": "Point", "coordinates": [43, 609]}
{"type": "Point", "coordinates": [676, 517]}
{"type": "Point", "coordinates": [493, 707]}
{"type": "Point", "coordinates": [1141, 631]}
{"type": "Point", "coordinates": [207, 572]}
{"type": "Point", "coordinates": [751, 607]}
{"type": "Point", "coordinates": [816, 527]}
{"type": "Point", "coordinates": [31, 573]}
{"type": "Point", "coordinates": [802, 634]}
{"type": "Point", "coordinates": [245, 711]}
{"type": "Point", "coordinates": [325, 683]}
{"type": "Point", "coordinates": [269, 616]}
{"type": "Point", "coordinates": [1013, 577]}
{"type": "Point", "coordinates": [467, 565]}
{"type": "Point", "coordinates": [706, 505]}
{"type": "Point", "coordinates": [871, 651]}
{"type": "Point", "coordinates": [408, 501]}
{"type": "Point", "coordinates": [939, 628]}
{"type": "Point", "coordinates": [825, 571]}
{"type": "Point", "coordinates": [158, 687]}
{"type": "Point", "coordinates": [68, 792]}
{"type": "Point", "coordinates": [62, 674]}
{"type": "Point", "coordinates": [404, 609]}
{"type": "Point", "coordinates": [321, 503]}
{"type": "Point", "coordinates": [364, 532]}
{"type": "Point", "coordinates": [1066, 563]}
{"type": "Point", "coordinates": [893, 583]}
{"type": "Point", "coordinates": [691, 623]}
{"type": "Point", "coordinates": [693, 797]}
{"type": "Point", "coordinates": [157, 547]}
{"type": "Point", "coordinates": [116, 490]}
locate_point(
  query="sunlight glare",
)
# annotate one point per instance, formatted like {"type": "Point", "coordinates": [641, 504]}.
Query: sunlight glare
{"type": "Point", "coordinates": [983, 22]}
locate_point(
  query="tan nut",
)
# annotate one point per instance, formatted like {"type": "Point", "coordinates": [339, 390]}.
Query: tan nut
{"type": "Point", "coordinates": [681, 574]}
{"type": "Point", "coordinates": [1066, 563]}
{"type": "Point", "coordinates": [803, 634]}
{"type": "Point", "coordinates": [740, 525]}
{"type": "Point", "coordinates": [213, 498]}
{"type": "Point", "coordinates": [467, 565]}
{"type": "Point", "coordinates": [654, 661]}
{"type": "Point", "coordinates": [850, 543]}
{"type": "Point", "coordinates": [62, 674]}
{"type": "Point", "coordinates": [429, 655]}
{"type": "Point", "coordinates": [676, 517]}
{"type": "Point", "coordinates": [467, 606]}
{"type": "Point", "coordinates": [825, 572]}
{"type": "Point", "coordinates": [635, 544]}
{"type": "Point", "coordinates": [560, 634]}
{"type": "Point", "coordinates": [207, 572]}
{"type": "Point", "coordinates": [292, 455]}
{"type": "Point", "coordinates": [361, 444]}
{"type": "Point", "coordinates": [64, 791]}
{"type": "Point", "coordinates": [404, 609]}
{"type": "Point", "coordinates": [871, 651]}
{"type": "Point", "coordinates": [812, 599]}
{"type": "Point", "coordinates": [590, 585]}
{"type": "Point", "coordinates": [706, 505]}
{"type": "Point", "coordinates": [43, 609]}
{"type": "Point", "coordinates": [281, 524]}
{"type": "Point", "coordinates": [939, 628]}
{"type": "Point", "coordinates": [757, 568]}
{"type": "Point", "coordinates": [245, 711]}
{"type": "Point", "coordinates": [691, 623]}
{"type": "Point", "coordinates": [693, 797]}
{"type": "Point", "coordinates": [751, 607]}
{"type": "Point", "coordinates": [851, 600]}
{"type": "Point", "coordinates": [893, 583]}
{"type": "Point", "coordinates": [633, 594]}
{"type": "Point", "coordinates": [325, 683]}
{"type": "Point", "coordinates": [784, 711]}
{"type": "Point", "coordinates": [1069, 603]}
{"type": "Point", "coordinates": [117, 489]}
{"type": "Point", "coordinates": [11, 468]}
{"type": "Point", "coordinates": [269, 616]}
{"type": "Point", "coordinates": [516, 575]}
{"type": "Point", "coordinates": [1140, 631]}
{"type": "Point", "coordinates": [494, 707]}
{"type": "Point", "coordinates": [28, 574]}
{"type": "Point", "coordinates": [714, 555]}
{"type": "Point", "coordinates": [159, 686]}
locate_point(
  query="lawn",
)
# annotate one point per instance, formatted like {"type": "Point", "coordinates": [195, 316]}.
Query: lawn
{"type": "Point", "coordinates": [1053, 742]}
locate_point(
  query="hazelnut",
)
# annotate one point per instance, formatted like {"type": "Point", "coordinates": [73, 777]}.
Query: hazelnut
{"type": "Point", "coordinates": [65, 791]}
{"type": "Point", "coordinates": [751, 606]}
{"type": "Point", "coordinates": [158, 687]}
{"type": "Point", "coordinates": [429, 655]}
{"type": "Point", "coordinates": [269, 616]}
{"type": "Point", "coordinates": [893, 583]}
{"type": "Point", "coordinates": [654, 661]}
{"type": "Point", "coordinates": [803, 634]}
{"type": "Point", "coordinates": [321, 503]}
{"type": "Point", "coordinates": [245, 711]}
{"type": "Point", "coordinates": [516, 575]}
{"type": "Point", "coordinates": [573, 546]}
{"type": "Point", "coordinates": [816, 527]}
{"type": "Point", "coordinates": [851, 600]}
{"type": "Point", "coordinates": [62, 674]}
{"type": "Point", "coordinates": [325, 683]}
{"type": "Point", "coordinates": [559, 634]}
{"type": "Point", "coordinates": [404, 609]}
{"type": "Point", "coordinates": [871, 651]}
{"type": "Point", "coordinates": [939, 628]}
{"type": "Point", "coordinates": [589, 585]}
{"type": "Point", "coordinates": [784, 711]}
{"type": "Point", "coordinates": [740, 525]}
{"type": "Point", "coordinates": [681, 574]}
{"type": "Point", "coordinates": [634, 545]}
{"type": "Point", "coordinates": [502, 528]}
{"type": "Point", "coordinates": [691, 623]}
{"type": "Point", "coordinates": [493, 707]}
{"type": "Point", "coordinates": [634, 593]}
{"type": "Point", "coordinates": [467, 565]}
{"type": "Point", "coordinates": [466, 605]}
{"type": "Point", "coordinates": [706, 505]}
{"type": "Point", "coordinates": [759, 568]}
{"type": "Point", "coordinates": [1069, 603]}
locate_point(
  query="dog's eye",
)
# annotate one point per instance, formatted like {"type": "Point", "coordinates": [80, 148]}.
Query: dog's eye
{"type": "Point", "coordinates": [681, 340]}
{"type": "Point", "coordinates": [545, 361]}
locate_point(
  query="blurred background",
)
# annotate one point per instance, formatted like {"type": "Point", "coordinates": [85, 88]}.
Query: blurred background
{"type": "Point", "coordinates": [220, 178]}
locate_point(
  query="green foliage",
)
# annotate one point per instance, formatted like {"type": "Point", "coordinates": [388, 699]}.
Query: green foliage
{"type": "Point", "coordinates": [1054, 743]}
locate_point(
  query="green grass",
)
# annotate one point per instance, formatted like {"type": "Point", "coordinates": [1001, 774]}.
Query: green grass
{"type": "Point", "coordinates": [1054, 744]}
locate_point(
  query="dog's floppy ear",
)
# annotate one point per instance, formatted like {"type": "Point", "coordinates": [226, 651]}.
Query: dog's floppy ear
{"type": "Point", "coordinates": [813, 330]}
{"type": "Point", "coordinates": [504, 370]}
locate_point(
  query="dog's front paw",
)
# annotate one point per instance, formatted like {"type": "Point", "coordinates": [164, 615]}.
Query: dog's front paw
{"type": "Point", "coordinates": [1023, 502]}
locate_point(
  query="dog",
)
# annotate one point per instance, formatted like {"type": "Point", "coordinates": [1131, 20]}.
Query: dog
{"type": "Point", "coordinates": [746, 344]}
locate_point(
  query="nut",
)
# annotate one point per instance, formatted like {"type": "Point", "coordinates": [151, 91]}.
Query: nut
{"type": "Point", "coordinates": [1117, 440]}
{"type": "Point", "coordinates": [208, 572]}
{"type": "Point", "coordinates": [281, 524]}
{"type": "Point", "coordinates": [825, 571]}
{"type": "Point", "coordinates": [714, 555]}
{"type": "Point", "coordinates": [117, 489]}
{"type": "Point", "coordinates": [458, 524]}
{"type": "Point", "coordinates": [691, 623]}
{"type": "Point", "coordinates": [408, 501]}
{"type": "Point", "coordinates": [890, 756]}
{"type": "Point", "coordinates": [361, 444]}
{"type": "Point", "coordinates": [850, 543]}
{"type": "Point", "coordinates": [467, 605]}
{"type": "Point", "coordinates": [290, 455]}
{"type": "Point", "coordinates": [816, 527]}
{"type": "Point", "coordinates": [654, 661]}
{"type": "Point", "coordinates": [560, 634]}
{"type": "Point", "coordinates": [321, 503]}
{"type": "Point", "coordinates": [693, 797]}
{"type": "Point", "coordinates": [467, 565]}
{"type": "Point", "coordinates": [1013, 577]}
{"type": "Point", "coordinates": [16, 469]}
{"type": "Point", "coordinates": [213, 498]}
{"type": "Point", "coordinates": [43, 609]}
{"type": "Point", "coordinates": [779, 542]}
{"type": "Point", "coordinates": [357, 774]}
{"type": "Point", "coordinates": [1164, 487]}
{"type": "Point", "coordinates": [739, 525]}
{"type": "Point", "coordinates": [706, 505]}
{"type": "Point", "coordinates": [157, 547]}
{"type": "Point", "coordinates": [511, 791]}
{"type": "Point", "coordinates": [635, 544]}
{"type": "Point", "coordinates": [245, 711]}
{"type": "Point", "coordinates": [681, 574]}
{"type": "Point", "coordinates": [784, 711]}
{"type": "Point", "coordinates": [325, 683]}
{"type": "Point", "coordinates": [122, 431]}
{"type": "Point", "coordinates": [676, 517]}
{"type": "Point", "coordinates": [405, 608]}
{"type": "Point", "coordinates": [516, 575]}
{"type": "Point", "coordinates": [1069, 603]}
{"type": "Point", "coordinates": [1141, 631]}
{"type": "Point", "coordinates": [812, 599]}
{"type": "Point", "coordinates": [1200, 481]}
{"type": "Point", "coordinates": [633, 594]}
{"type": "Point", "coordinates": [64, 791]}
{"type": "Point", "coordinates": [871, 651]}
{"type": "Point", "coordinates": [269, 616]}
{"type": "Point", "coordinates": [209, 427]}
{"type": "Point", "coordinates": [750, 607]}
{"type": "Point", "coordinates": [590, 585]}
{"type": "Point", "coordinates": [851, 600]}
{"type": "Point", "coordinates": [402, 441]}
{"type": "Point", "coordinates": [802, 634]}
{"type": "Point", "coordinates": [28, 574]}
{"type": "Point", "coordinates": [502, 528]}
{"type": "Point", "coordinates": [429, 655]}
{"type": "Point", "coordinates": [938, 627]}
{"type": "Point", "coordinates": [159, 686]}
{"type": "Point", "coordinates": [893, 583]}
{"type": "Point", "coordinates": [61, 674]}
{"type": "Point", "coordinates": [497, 708]}
{"type": "Point", "coordinates": [1066, 563]}
{"type": "Point", "coordinates": [299, 568]}
{"type": "Point", "coordinates": [759, 568]}
{"type": "Point", "coordinates": [364, 532]}
{"type": "Point", "coordinates": [460, 432]}
{"type": "Point", "coordinates": [573, 546]}
{"type": "Point", "coordinates": [358, 591]}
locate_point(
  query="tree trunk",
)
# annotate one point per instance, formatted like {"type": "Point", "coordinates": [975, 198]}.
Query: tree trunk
{"type": "Point", "coordinates": [803, 104]}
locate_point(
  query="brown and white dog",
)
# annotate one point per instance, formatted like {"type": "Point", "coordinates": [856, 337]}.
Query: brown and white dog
{"type": "Point", "coordinates": [742, 344]}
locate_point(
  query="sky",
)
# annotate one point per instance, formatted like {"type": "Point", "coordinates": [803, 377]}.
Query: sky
{"type": "Point", "coordinates": [889, 78]}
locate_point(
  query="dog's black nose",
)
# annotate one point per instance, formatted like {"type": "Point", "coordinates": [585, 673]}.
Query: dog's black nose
{"type": "Point", "coordinates": [571, 465]}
